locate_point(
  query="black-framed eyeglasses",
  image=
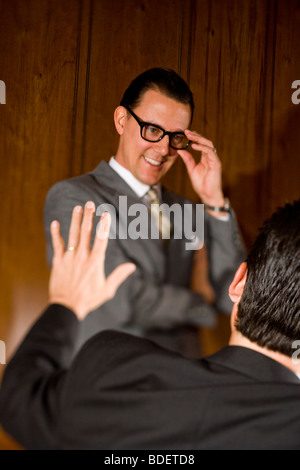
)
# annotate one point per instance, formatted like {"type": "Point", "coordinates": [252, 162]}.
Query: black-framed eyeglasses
{"type": "Point", "coordinates": [154, 133]}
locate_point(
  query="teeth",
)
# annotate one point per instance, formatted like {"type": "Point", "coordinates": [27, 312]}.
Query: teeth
{"type": "Point", "coordinates": [153, 162]}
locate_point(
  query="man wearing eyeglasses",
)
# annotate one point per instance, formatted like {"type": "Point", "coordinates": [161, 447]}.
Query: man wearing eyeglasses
{"type": "Point", "coordinates": [153, 122]}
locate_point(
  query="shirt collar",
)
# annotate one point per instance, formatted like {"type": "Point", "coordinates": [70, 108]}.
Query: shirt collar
{"type": "Point", "coordinates": [139, 188]}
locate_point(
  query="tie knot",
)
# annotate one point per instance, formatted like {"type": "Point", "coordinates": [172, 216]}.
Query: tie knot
{"type": "Point", "coordinates": [153, 195]}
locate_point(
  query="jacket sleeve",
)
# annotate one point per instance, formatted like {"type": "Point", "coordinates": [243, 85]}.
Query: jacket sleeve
{"type": "Point", "coordinates": [33, 381]}
{"type": "Point", "coordinates": [101, 399]}
{"type": "Point", "coordinates": [226, 251]}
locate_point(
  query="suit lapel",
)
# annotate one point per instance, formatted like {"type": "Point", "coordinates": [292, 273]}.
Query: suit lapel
{"type": "Point", "coordinates": [111, 187]}
{"type": "Point", "coordinates": [111, 184]}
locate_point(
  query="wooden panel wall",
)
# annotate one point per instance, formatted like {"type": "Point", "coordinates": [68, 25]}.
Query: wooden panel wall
{"type": "Point", "coordinates": [66, 64]}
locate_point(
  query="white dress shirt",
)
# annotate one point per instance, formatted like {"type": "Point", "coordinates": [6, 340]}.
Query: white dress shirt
{"type": "Point", "coordinates": [139, 188]}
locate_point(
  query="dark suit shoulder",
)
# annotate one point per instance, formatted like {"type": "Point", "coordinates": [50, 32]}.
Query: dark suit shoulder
{"type": "Point", "coordinates": [126, 392]}
{"type": "Point", "coordinates": [120, 358]}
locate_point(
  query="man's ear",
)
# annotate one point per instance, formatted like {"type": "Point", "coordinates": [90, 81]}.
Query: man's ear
{"type": "Point", "coordinates": [237, 286]}
{"type": "Point", "coordinates": [120, 117]}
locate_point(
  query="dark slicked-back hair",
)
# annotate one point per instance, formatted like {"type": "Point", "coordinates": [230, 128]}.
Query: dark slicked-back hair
{"type": "Point", "coordinates": [269, 310]}
{"type": "Point", "coordinates": [162, 79]}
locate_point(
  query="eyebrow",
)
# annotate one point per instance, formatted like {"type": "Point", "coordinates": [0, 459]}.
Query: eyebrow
{"type": "Point", "coordinates": [181, 131]}
{"type": "Point", "coordinates": [157, 125]}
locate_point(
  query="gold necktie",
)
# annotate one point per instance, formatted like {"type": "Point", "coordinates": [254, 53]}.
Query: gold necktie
{"type": "Point", "coordinates": [162, 222]}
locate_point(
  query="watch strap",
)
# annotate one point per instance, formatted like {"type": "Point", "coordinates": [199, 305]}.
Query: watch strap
{"type": "Point", "coordinates": [225, 208]}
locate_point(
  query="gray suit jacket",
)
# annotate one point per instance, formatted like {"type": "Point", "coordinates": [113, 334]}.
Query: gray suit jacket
{"type": "Point", "coordinates": [155, 301]}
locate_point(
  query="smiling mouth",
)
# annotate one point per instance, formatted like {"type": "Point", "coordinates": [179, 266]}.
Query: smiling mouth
{"type": "Point", "coordinates": [153, 162]}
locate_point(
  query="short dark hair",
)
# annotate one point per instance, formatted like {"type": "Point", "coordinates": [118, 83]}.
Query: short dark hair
{"type": "Point", "coordinates": [269, 309]}
{"type": "Point", "coordinates": [162, 79]}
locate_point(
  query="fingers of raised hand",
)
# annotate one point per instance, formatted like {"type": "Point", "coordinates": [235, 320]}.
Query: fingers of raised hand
{"type": "Point", "coordinates": [102, 234]}
{"type": "Point", "coordinates": [86, 227]}
{"type": "Point", "coordinates": [74, 231]}
{"type": "Point", "coordinates": [57, 240]}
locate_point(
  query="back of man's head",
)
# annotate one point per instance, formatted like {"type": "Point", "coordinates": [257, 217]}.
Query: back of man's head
{"type": "Point", "coordinates": [269, 309]}
{"type": "Point", "coordinates": [165, 80]}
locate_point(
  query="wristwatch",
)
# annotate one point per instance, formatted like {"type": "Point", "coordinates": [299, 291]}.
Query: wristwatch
{"type": "Point", "coordinates": [225, 208]}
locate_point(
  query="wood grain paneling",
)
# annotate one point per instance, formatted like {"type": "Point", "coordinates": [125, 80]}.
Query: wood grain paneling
{"type": "Point", "coordinates": [243, 60]}
{"type": "Point", "coordinates": [37, 63]}
{"type": "Point", "coordinates": [284, 174]}
{"type": "Point", "coordinates": [126, 38]}
{"type": "Point", "coordinates": [229, 77]}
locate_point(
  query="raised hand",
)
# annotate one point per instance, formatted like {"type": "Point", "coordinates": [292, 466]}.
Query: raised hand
{"type": "Point", "coordinates": [77, 277]}
{"type": "Point", "coordinates": [205, 176]}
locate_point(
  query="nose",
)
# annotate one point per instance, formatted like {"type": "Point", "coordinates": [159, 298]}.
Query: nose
{"type": "Point", "coordinates": [163, 146]}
